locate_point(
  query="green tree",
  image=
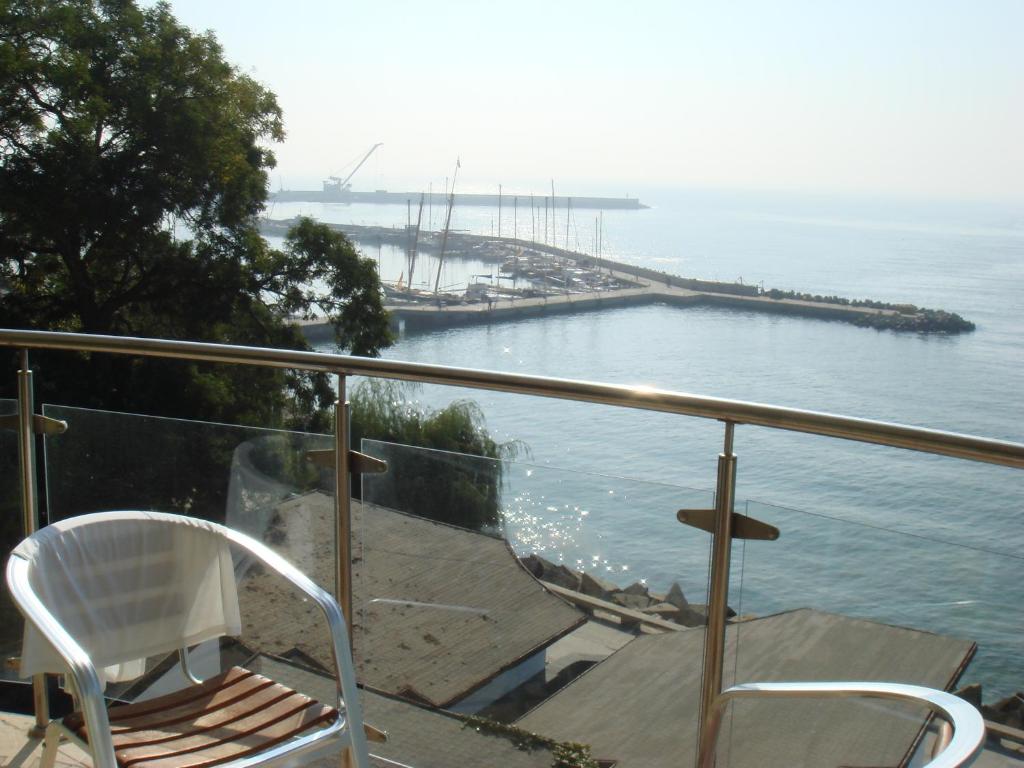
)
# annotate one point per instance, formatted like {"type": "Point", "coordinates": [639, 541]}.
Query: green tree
{"type": "Point", "coordinates": [452, 472]}
{"type": "Point", "coordinates": [134, 164]}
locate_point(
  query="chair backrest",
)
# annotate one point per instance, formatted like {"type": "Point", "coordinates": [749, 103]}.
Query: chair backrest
{"type": "Point", "coordinates": [127, 585]}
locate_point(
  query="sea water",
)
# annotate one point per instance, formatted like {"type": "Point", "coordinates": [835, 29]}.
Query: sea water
{"type": "Point", "coordinates": [906, 538]}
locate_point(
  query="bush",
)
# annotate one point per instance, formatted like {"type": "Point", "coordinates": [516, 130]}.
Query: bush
{"type": "Point", "coordinates": [441, 483]}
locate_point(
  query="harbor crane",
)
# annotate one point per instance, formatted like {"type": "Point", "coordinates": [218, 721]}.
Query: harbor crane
{"type": "Point", "coordinates": [338, 184]}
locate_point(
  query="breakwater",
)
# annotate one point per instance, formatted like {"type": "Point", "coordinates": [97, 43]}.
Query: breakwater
{"type": "Point", "coordinates": [443, 315]}
{"type": "Point", "coordinates": [383, 197]}
{"type": "Point", "coordinates": [410, 317]}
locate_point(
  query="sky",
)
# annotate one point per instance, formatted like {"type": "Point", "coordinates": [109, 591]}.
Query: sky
{"type": "Point", "coordinates": [918, 98]}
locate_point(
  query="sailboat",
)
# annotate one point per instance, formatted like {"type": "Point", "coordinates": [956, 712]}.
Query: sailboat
{"type": "Point", "coordinates": [447, 225]}
{"type": "Point", "coordinates": [407, 291]}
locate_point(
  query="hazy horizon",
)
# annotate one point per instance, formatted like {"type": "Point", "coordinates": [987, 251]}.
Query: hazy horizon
{"type": "Point", "coordinates": [920, 100]}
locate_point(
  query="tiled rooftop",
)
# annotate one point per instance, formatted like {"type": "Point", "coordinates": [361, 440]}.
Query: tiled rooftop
{"type": "Point", "coordinates": [439, 610]}
{"type": "Point", "coordinates": [634, 705]}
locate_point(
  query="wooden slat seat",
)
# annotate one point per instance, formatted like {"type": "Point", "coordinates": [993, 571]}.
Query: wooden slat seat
{"type": "Point", "coordinates": [229, 716]}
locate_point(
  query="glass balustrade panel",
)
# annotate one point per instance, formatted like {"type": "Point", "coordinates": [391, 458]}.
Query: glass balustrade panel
{"type": "Point", "coordinates": [840, 599]}
{"type": "Point", "coordinates": [561, 603]}
{"type": "Point", "coordinates": [259, 481]}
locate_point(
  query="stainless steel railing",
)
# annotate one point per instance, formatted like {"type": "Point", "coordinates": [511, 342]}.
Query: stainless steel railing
{"type": "Point", "coordinates": [730, 412]}
{"type": "Point", "coordinates": [734, 411]}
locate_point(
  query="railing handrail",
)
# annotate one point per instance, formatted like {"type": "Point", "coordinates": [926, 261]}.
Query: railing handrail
{"type": "Point", "coordinates": [646, 398]}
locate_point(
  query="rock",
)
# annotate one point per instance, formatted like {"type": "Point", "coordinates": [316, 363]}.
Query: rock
{"type": "Point", "coordinates": [535, 565]}
{"type": "Point", "coordinates": [597, 587]}
{"type": "Point", "coordinates": [690, 616]}
{"type": "Point", "coordinates": [548, 571]}
{"type": "Point", "coordinates": [1010, 703]}
{"type": "Point", "coordinates": [970, 693]}
{"type": "Point", "coordinates": [676, 597]}
{"type": "Point", "coordinates": [634, 602]}
{"type": "Point", "coordinates": [687, 617]}
{"type": "Point", "coordinates": [563, 577]}
{"type": "Point", "coordinates": [636, 588]}
{"type": "Point", "coordinates": [1008, 711]}
{"type": "Point", "coordinates": [664, 610]}
{"type": "Point", "coordinates": [546, 566]}
{"type": "Point", "coordinates": [545, 570]}
{"type": "Point", "coordinates": [702, 610]}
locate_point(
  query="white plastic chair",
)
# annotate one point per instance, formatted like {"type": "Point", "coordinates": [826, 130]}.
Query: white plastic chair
{"type": "Point", "coordinates": [102, 592]}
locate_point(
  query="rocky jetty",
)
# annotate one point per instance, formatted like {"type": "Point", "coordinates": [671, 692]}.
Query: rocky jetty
{"type": "Point", "coordinates": [1008, 711]}
{"type": "Point", "coordinates": [671, 605]}
{"type": "Point", "coordinates": [922, 321]}
{"type": "Point", "coordinates": [892, 317]}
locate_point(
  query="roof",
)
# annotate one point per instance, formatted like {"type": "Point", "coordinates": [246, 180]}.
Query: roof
{"type": "Point", "coordinates": [416, 735]}
{"type": "Point", "coordinates": [440, 610]}
{"type": "Point", "coordinates": [640, 705]}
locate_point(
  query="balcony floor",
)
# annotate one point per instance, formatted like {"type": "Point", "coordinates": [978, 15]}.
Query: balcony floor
{"type": "Point", "coordinates": [17, 750]}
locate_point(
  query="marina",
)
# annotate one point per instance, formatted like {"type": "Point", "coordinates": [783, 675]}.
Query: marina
{"type": "Point", "coordinates": [541, 279]}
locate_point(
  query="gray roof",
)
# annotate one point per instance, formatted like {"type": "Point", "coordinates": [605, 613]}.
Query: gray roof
{"type": "Point", "coordinates": [640, 705]}
{"type": "Point", "coordinates": [417, 735]}
{"type": "Point", "coordinates": [457, 610]}
{"type": "Point", "coordinates": [429, 738]}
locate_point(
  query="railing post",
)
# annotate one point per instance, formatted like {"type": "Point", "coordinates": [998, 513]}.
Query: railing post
{"type": "Point", "coordinates": [343, 516]}
{"type": "Point", "coordinates": [30, 508]}
{"type": "Point", "coordinates": [718, 599]}
{"type": "Point", "coordinates": [343, 506]}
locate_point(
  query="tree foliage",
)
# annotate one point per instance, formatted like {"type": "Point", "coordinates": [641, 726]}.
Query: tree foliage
{"type": "Point", "coordinates": [134, 165]}
{"type": "Point", "coordinates": [446, 465]}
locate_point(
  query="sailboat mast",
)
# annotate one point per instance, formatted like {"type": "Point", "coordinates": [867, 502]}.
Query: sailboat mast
{"type": "Point", "coordinates": [415, 241]}
{"type": "Point", "coordinates": [554, 229]}
{"type": "Point", "coordinates": [568, 215]}
{"type": "Point", "coordinates": [533, 222]}
{"type": "Point", "coordinates": [447, 224]}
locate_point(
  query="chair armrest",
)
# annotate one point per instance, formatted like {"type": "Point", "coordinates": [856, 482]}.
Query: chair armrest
{"type": "Point", "coordinates": [347, 690]}
{"type": "Point", "coordinates": [962, 749]}
{"type": "Point", "coordinates": [81, 669]}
